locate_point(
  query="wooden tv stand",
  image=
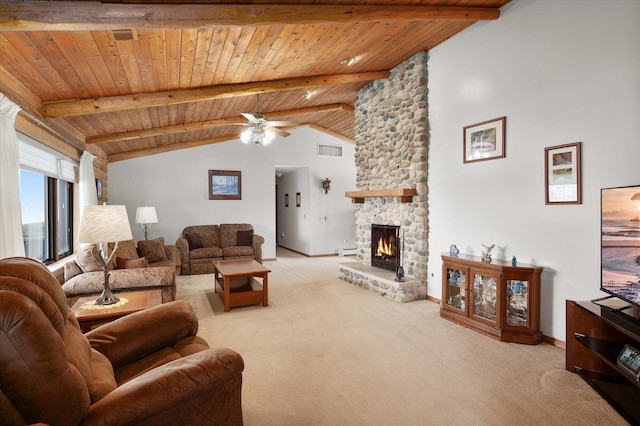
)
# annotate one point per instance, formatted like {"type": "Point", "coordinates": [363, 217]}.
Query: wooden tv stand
{"type": "Point", "coordinates": [595, 337]}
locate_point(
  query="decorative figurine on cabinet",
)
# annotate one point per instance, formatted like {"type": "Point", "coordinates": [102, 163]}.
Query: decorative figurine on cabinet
{"type": "Point", "coordinates": [453, 250]}
{"type": "Point", "coordinates": [486, 253]}
{"type": "Point", "coordinates": [514, 261]}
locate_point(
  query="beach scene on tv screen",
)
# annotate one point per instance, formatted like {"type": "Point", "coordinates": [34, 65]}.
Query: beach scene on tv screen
{"type": "Point", "coordinates": [621, 242]}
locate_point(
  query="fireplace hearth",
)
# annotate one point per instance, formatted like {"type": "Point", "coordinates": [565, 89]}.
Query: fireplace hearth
{"type": "Point", "coordinates": [385, 246]}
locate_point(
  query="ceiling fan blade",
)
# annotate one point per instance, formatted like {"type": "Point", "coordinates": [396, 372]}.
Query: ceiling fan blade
{"type": "Point", "coordinates": [278, 132]}
{"type": "Point", "coordinates": [283, 123]}
{"type": "Point", "coordinates": [249, 117]}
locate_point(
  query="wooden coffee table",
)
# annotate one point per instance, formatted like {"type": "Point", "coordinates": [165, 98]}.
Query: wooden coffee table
{"type": "Point", "coordinates": [90, 316]}
{"type": "Point", "coordinates": [237, 280]}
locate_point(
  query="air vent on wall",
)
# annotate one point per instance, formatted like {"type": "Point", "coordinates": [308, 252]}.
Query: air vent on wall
{"type": "Point", "coordinates": [329, 150]}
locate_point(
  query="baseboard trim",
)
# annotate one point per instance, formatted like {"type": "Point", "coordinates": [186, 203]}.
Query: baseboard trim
{"type": "Point", "coordinates": [546, 339]}
{"type": "Point", "coordinates": [433, 299]}
{"type": "Point", "coordinates": [309, 255]}
{"type": "Point", "coordinates": [555, 342]}
{"type": "Point", "coordinates": [295, 251]}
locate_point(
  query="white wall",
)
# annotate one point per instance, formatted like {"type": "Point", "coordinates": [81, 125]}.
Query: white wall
{"type": "Point", "coordinates": [176, 184]}
{"type": "Point", "coordinates": [562, 72]}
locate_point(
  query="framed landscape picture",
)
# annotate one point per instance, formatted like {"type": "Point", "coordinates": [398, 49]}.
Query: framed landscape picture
{"type": "Point", "coordinates": [563, 174]}
{"type": "Point", "coordinates": [485, 141]}
{"type": "Point", "coordinates": [225, 185]}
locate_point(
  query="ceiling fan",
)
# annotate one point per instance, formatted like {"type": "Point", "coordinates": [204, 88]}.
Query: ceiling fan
{"type": "Point", "coordinates": [260, 129]}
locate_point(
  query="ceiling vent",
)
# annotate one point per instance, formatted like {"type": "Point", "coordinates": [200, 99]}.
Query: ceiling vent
{"type": "Point", "coordinates": [124, 35]}
{"type": "Point", "coordinates": [329, 150]}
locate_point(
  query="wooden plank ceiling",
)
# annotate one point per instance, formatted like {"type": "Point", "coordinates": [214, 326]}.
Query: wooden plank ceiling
{"type": "Point", "coordinates": [138, 78]}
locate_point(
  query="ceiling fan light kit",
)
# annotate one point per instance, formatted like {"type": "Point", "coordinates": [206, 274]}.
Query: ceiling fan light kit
{"type": "Point", "coordinates": [260, 130]}
{"type": "Point", "coordinates": [257, 136]}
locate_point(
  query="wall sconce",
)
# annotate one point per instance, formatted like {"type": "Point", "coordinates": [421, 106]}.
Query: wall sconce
{"type": "Point", "coordinates": [326, 185]}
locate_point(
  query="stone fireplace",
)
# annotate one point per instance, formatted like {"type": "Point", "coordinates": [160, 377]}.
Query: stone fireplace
{"type": "Point", "coordinates": [391, 128]}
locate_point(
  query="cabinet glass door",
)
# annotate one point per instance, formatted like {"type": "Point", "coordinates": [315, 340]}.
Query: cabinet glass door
{"type": "Point", "coordinates": [454, 296]}
{"type": "Point", "coordinates": [485, 296]}
{"type": "Point", "coordinates": [518, 303]}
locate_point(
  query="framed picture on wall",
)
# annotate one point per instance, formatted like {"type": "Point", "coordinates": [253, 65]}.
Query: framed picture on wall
{"type": "Point", "coordinates": [297, 199]}
{"type": "Point", "coordinates": [562, 176]}
{"type": "Point", "coordinates": [485, 141]}
{"type": "Point", "coordinates": [286, 200]}
{"type": "Point", "coordinates": [99, 188]}
{"type": "Point", "coordinates": [225, 185]}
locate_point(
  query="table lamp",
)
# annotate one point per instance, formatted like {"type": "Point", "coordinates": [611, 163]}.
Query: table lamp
{"type": "Point", "coordinates": [145, 216]}
{"type": "Point", "coordinates": [101, 225]}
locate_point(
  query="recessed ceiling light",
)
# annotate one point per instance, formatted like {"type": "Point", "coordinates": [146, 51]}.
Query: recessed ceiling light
{"type": "Point", "coordinates": [307, 95]}
{"type": "Point", "coordinates": [348, 61]}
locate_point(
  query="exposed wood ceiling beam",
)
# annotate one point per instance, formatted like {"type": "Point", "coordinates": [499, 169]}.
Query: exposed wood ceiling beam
{"type": "Point", "coordinates": [69, 108]}
{"type": "Point", "coordinates": [15, 90]}
{"type": "Point", "coordinates": [88, 16]}
{"type": "Point", "coordinates": [204, 125]}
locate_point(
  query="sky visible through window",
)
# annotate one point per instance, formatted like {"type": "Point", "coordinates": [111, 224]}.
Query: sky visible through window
{"type": "Point", "coordinates": [32, 198]}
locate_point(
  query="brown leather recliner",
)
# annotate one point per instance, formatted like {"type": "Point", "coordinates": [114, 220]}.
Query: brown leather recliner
{"type": "Point", "coordinates": [148, 368]}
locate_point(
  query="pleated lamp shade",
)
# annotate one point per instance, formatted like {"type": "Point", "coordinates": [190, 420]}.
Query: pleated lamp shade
{"type": "Point", "coordinates": [104, 224]}
{"type": "Point", "coordinates": [146, 215]}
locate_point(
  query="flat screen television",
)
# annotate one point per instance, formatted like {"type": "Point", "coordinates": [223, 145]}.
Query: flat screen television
{"type": "Point", "coordinates": [620, 248]}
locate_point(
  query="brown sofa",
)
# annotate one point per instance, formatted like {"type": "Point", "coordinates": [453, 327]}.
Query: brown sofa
{"type": "Point", "coordinates": [148, 368]}
{"type": "Point", "coordinates": [200, 245]}
{"type": "Point", "coordinates": [84, 276]}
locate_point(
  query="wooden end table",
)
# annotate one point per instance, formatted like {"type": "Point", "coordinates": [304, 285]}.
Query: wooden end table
{"type": "Point", "coordinates": [90, 316]}
{"type": "Point", "coordinates": [237, 279]}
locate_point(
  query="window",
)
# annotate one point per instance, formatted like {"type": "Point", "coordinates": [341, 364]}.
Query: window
{"type": "Point", "coordinates": [46, 198]}
{"type": "Point", "coordinates": [47, 216]}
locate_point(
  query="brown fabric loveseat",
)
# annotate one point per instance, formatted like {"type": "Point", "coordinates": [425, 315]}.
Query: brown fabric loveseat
{"type": "Point", "coordinates": [150, 265]}
{"type": "Point", "coordinates": [200, 245]}
{"type": "Point", "coordinates": [148, 368]}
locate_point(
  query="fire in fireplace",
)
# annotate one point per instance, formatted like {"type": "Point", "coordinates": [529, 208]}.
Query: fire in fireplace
{"type": "Point", "coordinates": [385, 246]}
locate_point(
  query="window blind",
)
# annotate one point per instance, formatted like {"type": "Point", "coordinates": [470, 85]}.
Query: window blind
{"type": "Point", "coordinates": [36, 157]}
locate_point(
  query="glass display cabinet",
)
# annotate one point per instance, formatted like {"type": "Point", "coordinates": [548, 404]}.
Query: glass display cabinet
{"type": "Point", "coordinates": [485, 301]}
{"type": "Point", "coordinates": [496, 299]}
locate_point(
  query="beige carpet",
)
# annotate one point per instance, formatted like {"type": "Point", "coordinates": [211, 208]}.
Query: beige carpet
{"type": "Point", "coordinates": [325, 352]}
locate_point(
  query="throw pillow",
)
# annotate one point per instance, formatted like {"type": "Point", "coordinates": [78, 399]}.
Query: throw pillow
{"type": "Point", "coordinates": [124, 263]}
{"type": "Point", "coordinates": [87, 259]}
{"type": "Point", "coordinates": [243, 238]}
{"type": "Point", "coordinates": [194, 240]}
{"type": "Point", "coordinates": [153, 250]}
{"type": "Point", "coordinates": [127, 249]}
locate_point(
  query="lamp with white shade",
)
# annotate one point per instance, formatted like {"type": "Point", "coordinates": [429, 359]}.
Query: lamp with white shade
{"type": "Point", "coordinates": [101, 225]}
{"type": "Point", "coordinates": [145, 216]}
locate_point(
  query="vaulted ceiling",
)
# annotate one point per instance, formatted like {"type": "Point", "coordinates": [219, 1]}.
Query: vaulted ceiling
{"type": "Point", "coordinates": [138, 78]}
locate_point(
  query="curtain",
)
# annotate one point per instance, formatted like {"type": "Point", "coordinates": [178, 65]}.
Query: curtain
{"type": "Point", "coordinates": [11, 243]}
{"type": "Point", "coordinates": [88, 192]}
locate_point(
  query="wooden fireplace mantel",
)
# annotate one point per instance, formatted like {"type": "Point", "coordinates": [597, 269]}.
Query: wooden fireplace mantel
{"type": "Point", "coordinates": [404, 195]}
